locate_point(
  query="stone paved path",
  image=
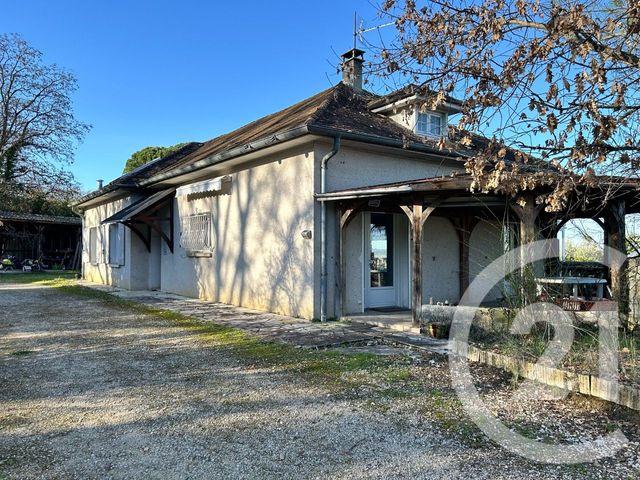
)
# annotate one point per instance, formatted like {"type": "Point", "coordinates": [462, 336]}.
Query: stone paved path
{"type": "Point", "coordinates": [272, 327]}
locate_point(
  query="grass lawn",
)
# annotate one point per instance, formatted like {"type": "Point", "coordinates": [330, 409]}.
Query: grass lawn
{"type": "Point", "coordinates": [34, 277]}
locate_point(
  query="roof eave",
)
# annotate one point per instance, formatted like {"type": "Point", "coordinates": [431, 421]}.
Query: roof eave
{"type": "Point", "coordinates": [385, 141]}
{"type": "Point", "coordinates": [217, 158]}
{"type": "Point", "coordinates": [451, 107]}
{"type": "Point", "coordinates": [291, 135]}
{"type": "Point", "coordinates": [265, 143]}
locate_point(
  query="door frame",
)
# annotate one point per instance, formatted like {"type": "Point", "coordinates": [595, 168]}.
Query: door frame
{"type": "Point", "coordinates": [401, 262]}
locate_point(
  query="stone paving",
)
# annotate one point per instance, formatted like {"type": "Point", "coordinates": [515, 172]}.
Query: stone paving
{"type": "Point", "coordinates": [278, 328]}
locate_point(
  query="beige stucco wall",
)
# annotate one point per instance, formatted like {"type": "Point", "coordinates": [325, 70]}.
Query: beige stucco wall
{"type": "Point", "coordinates": [405, 116]}
{"type": "Point", "coordinates": [440, 253]}
{"type": "Point", "coordinates": [133, 274]}
{"type": "Point", "coordinates": [260, 259]}
{"type": "Point", "coordinates": [440, 261]}
{"type": "Point", "coordinates": [352, 167]}
{"type": "Point", "coordinates": [485, 245]}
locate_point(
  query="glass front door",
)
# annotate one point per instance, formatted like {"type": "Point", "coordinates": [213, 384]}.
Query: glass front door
{"type": "Point", "coordinates": [381, 250]}
{"type": "Point", "coordinates": [380, 283]}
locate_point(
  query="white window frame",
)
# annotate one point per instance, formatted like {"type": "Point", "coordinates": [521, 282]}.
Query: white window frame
{"type": "Point", "coordinates": [115, 244]}
{"type": "Point", "coordinates": [196, 234]}
{"type": "Point", "coordinates": [93, 245]}
{"type": "Point", "coordinates": [424, 123]}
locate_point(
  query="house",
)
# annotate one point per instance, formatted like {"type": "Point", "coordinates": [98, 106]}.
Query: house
{"type": "Point", "coordinates": [344, 202]}
{"type": "Point", "coordinates": [52, 239]}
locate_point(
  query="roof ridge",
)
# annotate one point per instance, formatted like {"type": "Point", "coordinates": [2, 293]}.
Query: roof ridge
{"type": "Point", "coordinates": [276, 113]}
{"type": "Point", "coordinates": [261, 121]}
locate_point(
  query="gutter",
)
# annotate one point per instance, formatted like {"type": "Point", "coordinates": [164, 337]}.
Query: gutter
{"type": "Point", "coordinates": [385, 141]}
{"type": "Point", "coordinates": [323, 228]}
{"type": "Point", "coordinates": [291, 135]}
{"type": "Point", "coordinates": [228, 154]}
{"type": "Point", "coordinates": [349, 194]}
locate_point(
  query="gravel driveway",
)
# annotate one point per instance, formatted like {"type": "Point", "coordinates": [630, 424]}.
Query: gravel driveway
{"type": "Point", "coordinates": [91, 391]}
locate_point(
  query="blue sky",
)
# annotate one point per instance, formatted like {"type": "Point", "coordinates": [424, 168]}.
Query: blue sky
{"type": "Point", "coordinates": [163, 72]}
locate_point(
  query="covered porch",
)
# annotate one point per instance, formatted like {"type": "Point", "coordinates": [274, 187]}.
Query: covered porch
{"type": "Point", "coordinates": [413, 213]}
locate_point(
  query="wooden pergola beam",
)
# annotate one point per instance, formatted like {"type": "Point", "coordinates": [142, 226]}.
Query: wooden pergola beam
{"type": "Point", "coordinates": [615, 236]}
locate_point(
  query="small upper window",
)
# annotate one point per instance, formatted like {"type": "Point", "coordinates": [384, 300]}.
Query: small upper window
{"type": "Point", "coordinates": [430, 124]}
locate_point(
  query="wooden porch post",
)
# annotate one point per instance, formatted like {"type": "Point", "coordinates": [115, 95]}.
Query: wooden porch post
{"type": "Point", "coordinates": [527, 212]}
{"type": "Point", "coordinates": [615, 237]}
{"type": "Point", "coordinates": [418, 214]}
{"type": "Point", "coordinates": [416, 262]}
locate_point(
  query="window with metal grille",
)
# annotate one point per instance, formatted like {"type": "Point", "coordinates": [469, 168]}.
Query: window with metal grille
{"type": "Point", "coordinates": [196, 233]}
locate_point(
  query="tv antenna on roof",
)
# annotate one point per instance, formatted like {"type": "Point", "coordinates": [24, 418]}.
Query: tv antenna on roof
{"type": "Point", "coordinates": [359, 31]}
{"type": "Point", "coordinates": [355, 29]}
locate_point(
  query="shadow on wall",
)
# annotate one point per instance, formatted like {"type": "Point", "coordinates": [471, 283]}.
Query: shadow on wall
{"type": "Point", "coordinates": [98, 272]}
{"type": "Point", "coordinates": [440, 261]}
{"type": "Point", "coordinates": [260, 259]}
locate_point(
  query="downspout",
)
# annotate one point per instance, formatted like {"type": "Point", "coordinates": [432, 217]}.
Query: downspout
{"type": "Point", "coordinates": [323, 229]}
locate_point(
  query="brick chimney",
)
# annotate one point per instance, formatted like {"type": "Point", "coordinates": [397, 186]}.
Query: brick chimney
{"type": "Point", "coordinates": [352, 68]}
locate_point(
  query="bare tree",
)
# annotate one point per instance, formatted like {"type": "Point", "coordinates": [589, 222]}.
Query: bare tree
{"type": "Point", "coordinates": [38, 130]}
{"type": "Point", "coordinates": [559, 80]}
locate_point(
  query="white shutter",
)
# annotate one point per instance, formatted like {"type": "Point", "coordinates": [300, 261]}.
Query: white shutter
{"type": "Point", "coordinates": [93, 244]}
{"type": "Point", "coordinates": [114, 237]}
{"type": "Point", "coordinates": [103, 243]}
{"type": "Point", "coordinates": [121, 244]}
